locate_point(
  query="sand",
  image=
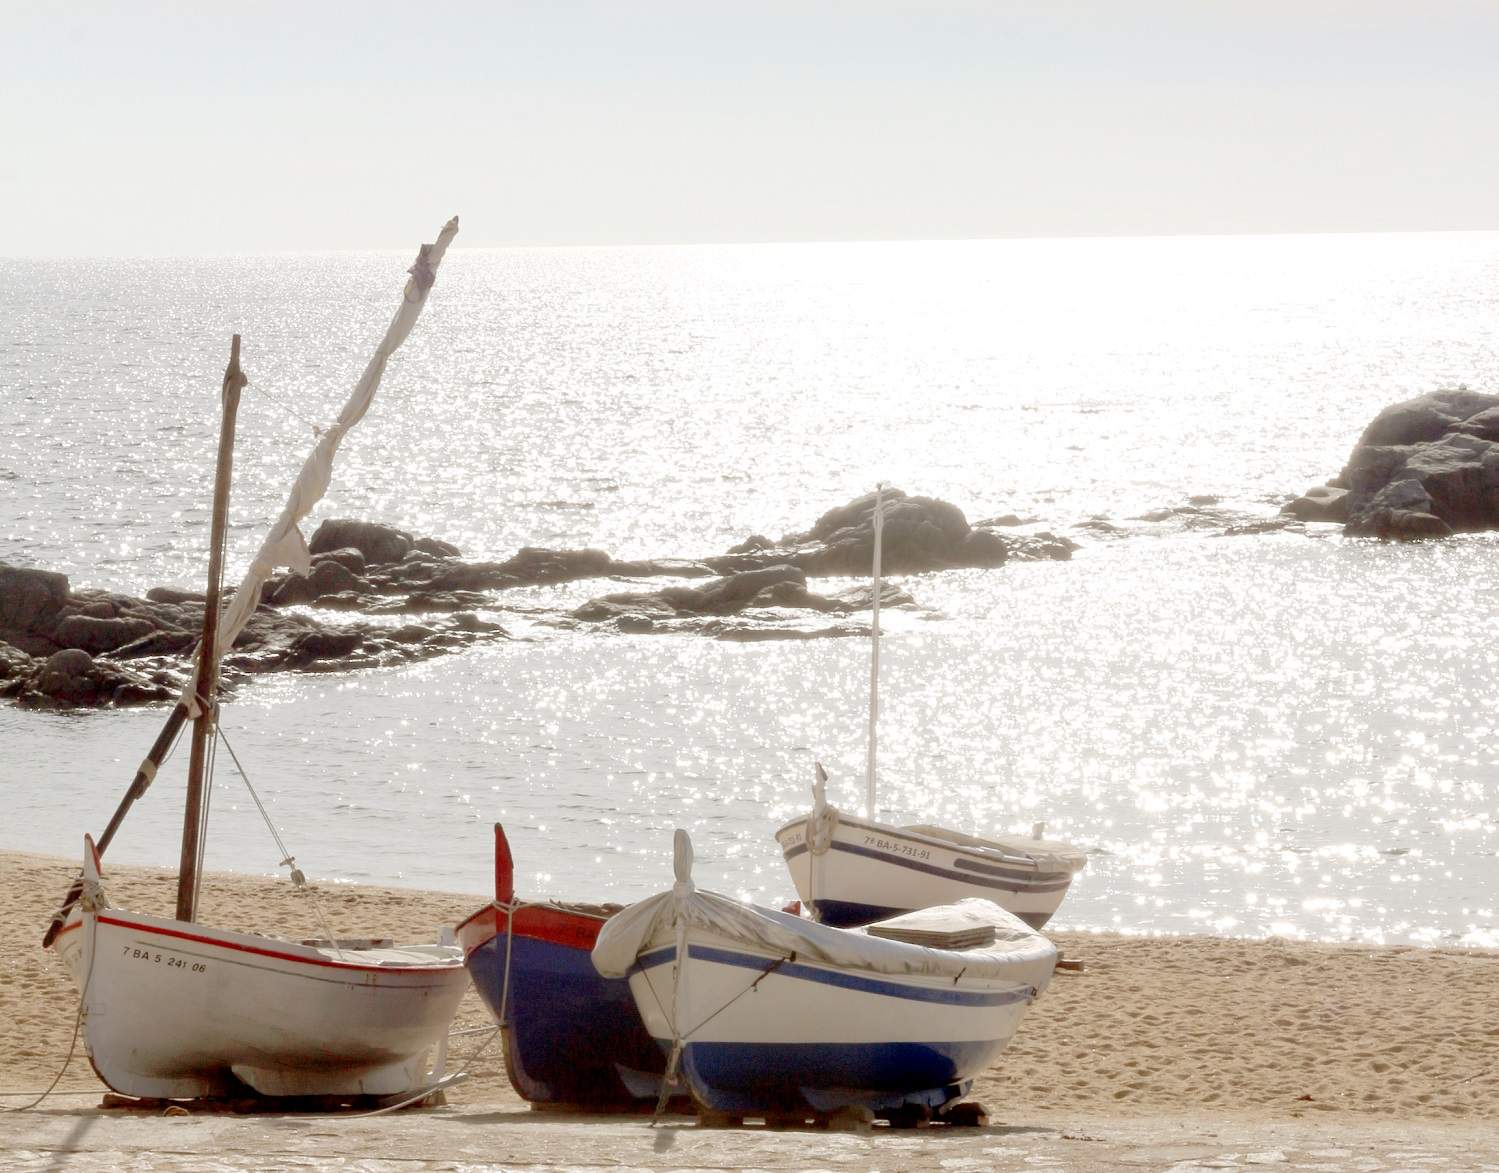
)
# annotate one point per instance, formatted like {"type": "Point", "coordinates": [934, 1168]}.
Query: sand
{"type": "Point", "coordinates": [1175, 1050]}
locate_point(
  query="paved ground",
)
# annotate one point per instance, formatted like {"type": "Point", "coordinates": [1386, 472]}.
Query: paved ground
{"type": "Point", "coordinates": [72, 1134]}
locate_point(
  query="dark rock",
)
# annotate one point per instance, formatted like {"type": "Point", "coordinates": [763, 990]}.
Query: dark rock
{"type": "Point", "coordinates": [14, 663]}
{"type": "Point", "coordinates": [411, 633]}
{"type": "Point", "coordinates": [69, 677]}
{"type": "Point", "coordinates": [432, 601]}
{"type": "Point", "coordinates": [295, 590]}
{"type": "Point", "coordinates": [330, 577]}
{"type": "Point", "coordinates": [141, 692]}
{"type": "Point", "coordinates": [99, 635]}
{"type": "Point", "coordinates": [1042, 546]}
{"type": "Point", "coordinates": [982, 547]}
{"type": "Point", "coordinates": [473, 576]}
{"type": "Point", "coordinates": [1269, 525]}
{"type": "Point", "coordinates": [773, 586]}
{"type": "Point", "coordinates": [1320, 503]}
{"type": "Point", "coordinates": [327, 645]}
{"type": "Point", "coordinates": [752, 543]}
{"type": "Point", "coordinates": [436, 547]}
{"type": "Point", "coordinates": [30, 599]}
{"type": "Point", "coordinates": [1425, 418]}
{"type": "Point", "coordinates": [162, 594]}
{"type": "Point", "coordinates": [660, 568]}
{"type": "Point", "coordinates": [349, 558]}
{"type": "Point", "coordinates": [1004, 521]}
{"type": "Point", "coordinates": [468, 621]}
{"type": "Point", "coordinates": [534, 565]}
{"type": "Point", "coordinates": [378, 543]}
{"type": "Point", "coordinates": [169, 641]}
{"type": "Point", "coordinates": [1426, 467]}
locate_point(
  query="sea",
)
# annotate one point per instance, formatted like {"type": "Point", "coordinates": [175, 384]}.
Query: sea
{"type": "Point", "coordinates": [1253, 733]}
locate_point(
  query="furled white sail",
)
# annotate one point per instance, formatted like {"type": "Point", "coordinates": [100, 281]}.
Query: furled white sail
{"type": "Point", "coordinates": [285, 545]}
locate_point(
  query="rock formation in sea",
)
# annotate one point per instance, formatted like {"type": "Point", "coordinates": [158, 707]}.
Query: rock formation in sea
{"type": "Point", "coordinates": [65, 647]}
{"type": "Point", "coordinates": [1426, 467]}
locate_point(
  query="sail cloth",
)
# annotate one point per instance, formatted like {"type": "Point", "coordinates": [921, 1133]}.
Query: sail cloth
{"type": "Point", "coordinates": [285, 545]}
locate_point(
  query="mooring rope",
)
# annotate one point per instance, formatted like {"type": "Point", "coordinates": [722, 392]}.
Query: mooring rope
{"type": "Point", "coordinates": [88, 977]}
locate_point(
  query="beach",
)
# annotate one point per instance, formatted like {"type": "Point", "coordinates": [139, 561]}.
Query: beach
{"type": "Point", "coordinates": [1162, 1052]}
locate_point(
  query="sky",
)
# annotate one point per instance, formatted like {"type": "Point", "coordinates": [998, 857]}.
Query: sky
{"type": "Point", "coordinates": [151, 127]}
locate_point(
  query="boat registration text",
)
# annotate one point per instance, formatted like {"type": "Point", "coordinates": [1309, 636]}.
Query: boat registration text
{"type": "Point", "coordinates": [894, 847]}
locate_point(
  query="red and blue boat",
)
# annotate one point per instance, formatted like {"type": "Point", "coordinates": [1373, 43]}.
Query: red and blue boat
{"type": "Point", "coordinates": [571, 1037]}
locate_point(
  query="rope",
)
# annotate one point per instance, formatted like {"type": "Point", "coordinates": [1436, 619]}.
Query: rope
{"type": "Point", "coordinates": [286, 409]}
{"type": "Point", "coordinates": [287, 859]}
{"type": "Point", "coordinates": [210, 714]}
{"type": "Point", "coordinates": [680, 1041]}
{"type": "Point", "coordinates": [446, 1082]}
{"type": "Point", "coordinates": [72, 1043]}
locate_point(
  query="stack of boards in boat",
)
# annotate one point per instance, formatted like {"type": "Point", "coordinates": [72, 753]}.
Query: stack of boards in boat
{"type": "Point", "coordinates": [571, 1036]}
{"type": "Point", "coordinates": [764, 1012]}
{"type": "Point", "coordinates": [948, 927]}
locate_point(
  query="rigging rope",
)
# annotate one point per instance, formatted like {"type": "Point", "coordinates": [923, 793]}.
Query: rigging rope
{"type": "Point", "coordinates": [298, 880]}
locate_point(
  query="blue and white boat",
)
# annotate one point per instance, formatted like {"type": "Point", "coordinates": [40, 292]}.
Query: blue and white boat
{"type": "Point", "coordinates": [851, 871]}
{"type": "Point", "coordinates": [765, 1012]}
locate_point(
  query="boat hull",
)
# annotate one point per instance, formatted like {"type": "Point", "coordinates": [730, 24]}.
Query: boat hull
{"type": "Point", "coordinates": [765, 1034]}
{"type": "Point", "coordinates": [176, 1010]}
{"type": "Point", "coordinates": [871, 871]}
{"type": "Point", "coordinates": [570, 1035]}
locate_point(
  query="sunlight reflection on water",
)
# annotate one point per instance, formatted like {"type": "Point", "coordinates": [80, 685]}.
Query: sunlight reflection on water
{"type": "Point", "coordinates": [1272, 734]}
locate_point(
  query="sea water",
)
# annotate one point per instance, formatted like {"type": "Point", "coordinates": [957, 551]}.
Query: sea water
{"type": "Point", "coordinates": [1264, 733]}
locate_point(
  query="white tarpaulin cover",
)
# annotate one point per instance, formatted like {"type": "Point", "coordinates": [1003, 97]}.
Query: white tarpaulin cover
{"type": "Point", "coordinates": [1018, 954]}
{"type": "Point", "coordinates": [284, 545]}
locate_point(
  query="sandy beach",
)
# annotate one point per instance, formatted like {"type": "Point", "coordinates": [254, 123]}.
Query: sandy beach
{"type": "Point", "coordinates": [1175, 1050]}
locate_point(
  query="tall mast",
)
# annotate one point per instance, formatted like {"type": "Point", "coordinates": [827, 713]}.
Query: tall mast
{"type": "Point", "coordinates": [207, 671]}
{"type": "Point", "coordinates": [874, 652]}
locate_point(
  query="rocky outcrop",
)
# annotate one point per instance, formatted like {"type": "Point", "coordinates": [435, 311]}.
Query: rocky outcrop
{"type": "Point", "coordinates": [921, 534]}
{"type": "Point", "coordinates": [698, 608]}
{"type": "Point", "coordinates": [1423, 468]}
{"type": "Point", "coordinates": [60, 646]}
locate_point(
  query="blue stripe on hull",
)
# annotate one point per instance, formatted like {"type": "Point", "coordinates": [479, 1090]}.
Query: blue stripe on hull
{"type": "Point", "coordinates": [1016, 882]}
{"type": "Point", "coordinates": [772, 1077]}
{"type": "Point", "coordinates": [860, 982]}
{"type": "Point", "coordinates": [570, 1029]}
{"type": "Point", "coordinates": [845, 914]}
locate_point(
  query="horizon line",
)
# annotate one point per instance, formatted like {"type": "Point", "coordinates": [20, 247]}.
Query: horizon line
{"type": "Point", "coordinates": [550, 245]}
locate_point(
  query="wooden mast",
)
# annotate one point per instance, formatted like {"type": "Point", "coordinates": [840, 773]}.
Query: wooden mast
{"type": "Point", "coordinates": [874, 647]}
{"type": "Point", "coordinates": [207, 670]}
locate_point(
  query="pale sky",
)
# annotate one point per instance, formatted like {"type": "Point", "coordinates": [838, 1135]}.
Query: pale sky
{"type": "Point", "coordinates": [151, 127]}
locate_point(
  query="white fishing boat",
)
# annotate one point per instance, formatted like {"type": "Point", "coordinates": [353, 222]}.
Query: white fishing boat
{"type": "Point", "coordinates": [763, 1012]}
{"type": "Point", "coordinates": [850, 871]}
{"type": "Point", "coordinates": [170, 1008]}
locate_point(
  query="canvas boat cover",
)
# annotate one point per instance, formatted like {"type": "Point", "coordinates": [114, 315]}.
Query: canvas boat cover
{"type": "Point", "coordinates": [1017, 954]}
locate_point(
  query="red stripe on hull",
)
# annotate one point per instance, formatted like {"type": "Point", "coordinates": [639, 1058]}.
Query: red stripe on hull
{"type": "Point", "coordinates": [323, 962]}
{"type": "Point", "coordinates": [541, 922]}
